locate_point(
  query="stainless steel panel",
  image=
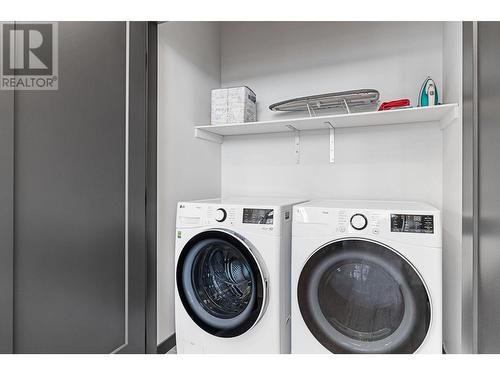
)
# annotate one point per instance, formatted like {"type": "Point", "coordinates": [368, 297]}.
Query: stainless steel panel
{"type": "Point", "coordinates": [6, 219]}
{"type": "Point", "coordinates": [488, 112]}
{"type": "Point", "coordinates": [142, 285]}
{"type": "Point", "coordinates": [469, 190]}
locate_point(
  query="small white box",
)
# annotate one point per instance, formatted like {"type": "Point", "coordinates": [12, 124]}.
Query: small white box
{"type": "Point", "coordinates": [233, 105]}
{"type": "Point", "coordinates": [219, 106]}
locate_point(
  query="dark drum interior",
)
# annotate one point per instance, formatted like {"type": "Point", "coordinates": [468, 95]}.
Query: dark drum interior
{"type": "Point", "coordinates": [220, 283]}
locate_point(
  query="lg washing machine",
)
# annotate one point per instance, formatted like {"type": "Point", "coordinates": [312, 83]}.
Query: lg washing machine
{"type": "Point", "coordinates": [366, 277]}
{"type": "Point", "coordinates": [233, 275]}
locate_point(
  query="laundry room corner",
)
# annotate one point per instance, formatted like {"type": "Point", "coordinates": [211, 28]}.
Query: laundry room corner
{"type": "Point", "coordinates": [188, 168]}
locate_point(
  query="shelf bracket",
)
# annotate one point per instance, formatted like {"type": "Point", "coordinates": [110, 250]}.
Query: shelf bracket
{"type": "Point", "coordinates": [332, 141]}
{"type": "Point", "coordinates": [449, 117]}
{"type": "Point", "coordinates": [296, 133]}
{"type": "Point", "coordinates": [208, 136]}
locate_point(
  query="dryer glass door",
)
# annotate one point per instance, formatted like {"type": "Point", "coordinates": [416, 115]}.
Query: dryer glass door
{"type": "Point", "coordinates": [358, 296]}
{"type": "Point", "coordinates": [220, 283]}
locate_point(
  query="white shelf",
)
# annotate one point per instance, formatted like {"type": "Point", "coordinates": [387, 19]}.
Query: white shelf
{"type": "Point", "coordinates": [442, 114]}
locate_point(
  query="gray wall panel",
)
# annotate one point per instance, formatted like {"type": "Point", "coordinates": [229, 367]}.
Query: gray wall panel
{"type": "Point", "coordinates": [69, 201]}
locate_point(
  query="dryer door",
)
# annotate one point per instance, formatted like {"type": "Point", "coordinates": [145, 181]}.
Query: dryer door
{"type": "Point", "coordinates": [220, 283]}
{"type": "Point", "coordinates": [358, 296]}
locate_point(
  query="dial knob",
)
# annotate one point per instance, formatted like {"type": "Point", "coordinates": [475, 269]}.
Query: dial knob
{"type": "Point", "coordinates": [358, 221]}
{"type": "Point", "coordinates": [220, 215]}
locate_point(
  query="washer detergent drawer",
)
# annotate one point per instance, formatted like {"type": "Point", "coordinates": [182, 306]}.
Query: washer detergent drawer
{"type": "Point", "coordinates": [189, 216]}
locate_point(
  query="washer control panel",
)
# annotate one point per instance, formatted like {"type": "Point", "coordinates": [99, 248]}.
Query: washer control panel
{"type": "Point", "coordinates": [258, 216]}
{"type": "Point", "coordinates": [220, 215]}
{"type": "Point", "coordinates": [265, 219]}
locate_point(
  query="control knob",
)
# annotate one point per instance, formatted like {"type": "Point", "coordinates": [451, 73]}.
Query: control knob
{"type": "Point", "coordinates": [220, 215]}
{"type": "Point", "coordinates": [359, 221]}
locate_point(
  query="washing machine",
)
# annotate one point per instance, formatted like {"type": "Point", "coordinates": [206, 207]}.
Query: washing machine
{"type": "Point", "coordinates": [366, 277]}
{"type": "Point", "coordinates": [233, 275]}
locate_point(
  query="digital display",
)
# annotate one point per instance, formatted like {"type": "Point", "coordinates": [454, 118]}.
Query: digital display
{"type": "Point", "coordinates": [258, 216]}
{"type": "Point", "coordinates": [412, 223]}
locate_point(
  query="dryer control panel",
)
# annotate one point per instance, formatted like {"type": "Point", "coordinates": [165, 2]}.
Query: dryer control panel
{"type": "Point", "coordinates": [413, 224]}
{"type": "Point", "coordinates": [358, 221]}
{"type": "Point", "coordinates": [410, 223]}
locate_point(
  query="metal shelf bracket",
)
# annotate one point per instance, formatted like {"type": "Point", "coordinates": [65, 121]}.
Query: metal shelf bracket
{"type": "Point", "coordinates": [332, 141]}
{"type": "Point", "coordinates": [296, 133]}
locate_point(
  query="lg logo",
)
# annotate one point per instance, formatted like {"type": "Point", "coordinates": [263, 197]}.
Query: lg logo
{"type": "Point", "coordinates": [29, 56]}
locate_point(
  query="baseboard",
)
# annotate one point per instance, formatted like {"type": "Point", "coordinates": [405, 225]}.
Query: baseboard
{"type": "Point", "coordinates": [166, 345]}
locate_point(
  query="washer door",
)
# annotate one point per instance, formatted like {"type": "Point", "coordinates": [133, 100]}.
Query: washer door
{"type": "Point", "coordinates": [220, 283]}
{"type": "Point", "coordinates": [358, 296]}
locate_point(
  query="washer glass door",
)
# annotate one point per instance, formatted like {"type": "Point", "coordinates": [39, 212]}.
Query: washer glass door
{"type": "Point", "coordinates": [220, 283]}
{"type": "Point", "coordinates": [358, 296]}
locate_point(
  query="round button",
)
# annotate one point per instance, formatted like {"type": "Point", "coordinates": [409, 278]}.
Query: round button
{"type": "Point", "coordinates": [220, 215]}
{"type": "Point", "coordinates": [358, 221]}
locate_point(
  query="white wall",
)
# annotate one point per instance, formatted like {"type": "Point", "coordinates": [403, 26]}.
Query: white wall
{"type": "Point", "coordinates": [452, 192]}
{"type": "Point", "coordinates": [392, 162]}
{"type": "Point", "coordinates": [188, 168]}
{"type": "Point", "coordinates": [284, 60]}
